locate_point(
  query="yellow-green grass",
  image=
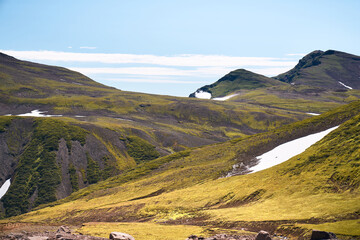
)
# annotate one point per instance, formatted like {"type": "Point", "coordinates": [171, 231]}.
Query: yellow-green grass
{"type": "Point", "coordinates": [321, 183]}
{"type": "Point", "coordinates": [348, 227]}
{"type": "Point", "coordinates": [275, 99]}
{"type": "Point", "coordinates": [152, 231]}
{"type": "Point", "coordinates": [142, 231]}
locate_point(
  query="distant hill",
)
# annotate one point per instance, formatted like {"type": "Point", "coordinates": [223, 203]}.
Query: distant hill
{"type": "Point", "coordinates": [32, 80]}
{"type": "Point", "coordinates": [93, 132]}
{"type": "Point", "coordinates": [237, 80]}
{"type": "Point", "coordinates": [319, 186]}
{"type": "Point", "coordinates": [331, 70]}
{"type": "Point", "coordinates": [320, 81]}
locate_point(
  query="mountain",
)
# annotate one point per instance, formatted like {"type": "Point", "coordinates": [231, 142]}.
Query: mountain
{"type": "Point", "coordinates": [105, 155]}
{"type": "Point", "coordinates": [331, 69]}
{"type": "Point", "coordinates": [318, 188]}
{"type": "Point", "coordinates": [319, 82]}
{"type": "Point", "coordinates": [32, 80]}
{"type": "Point", "coordinates": [93, 132]}
{"type": "Point", "coordinates": [236, 80]}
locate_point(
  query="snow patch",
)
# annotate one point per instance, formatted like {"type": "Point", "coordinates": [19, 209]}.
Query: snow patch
{"type": "Point", "coordinates": [226, 97]}
{"type": "Point", "coordinates": [4, 188]}
{"type": "Point", "coordinates": [37, 113]}
{"type": "Point", "coordinates": [314, 114]}
{"type": "Point", "coordinates": [202, 95]}
{"type": "Point", "coordinates": [348, 87]}
{"type": "Point", "coordinates": [288, 150]}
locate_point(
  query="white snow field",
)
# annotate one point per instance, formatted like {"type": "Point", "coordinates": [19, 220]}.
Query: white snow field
{"type": "Point", "coordinates": [348, 87]}
{"type": "Point", "coordinates": [4, 188]}
{"type": "Point", "coordinates": [288, 150]}
{"type": "Point", "coordinates": [203, 95]}
{"type": "Point", "coordinates": [37, 113]}
{"type": "Point", "coordinates": [226, 97]}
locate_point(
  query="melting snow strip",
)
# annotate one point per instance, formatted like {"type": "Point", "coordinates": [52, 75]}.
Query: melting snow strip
{"type": "Point", "coordinates": [348, 87]}
{"type": "Point", "coordinates": [314, 114]}
{"type": "Point", "coordinates": [37, 113]}
{"type": "Point", "coordinates": [4, 188]}
{"type": "Point", "coordinates": [288, 150]}
{"type": "Point", "coordinates": [225, 98]}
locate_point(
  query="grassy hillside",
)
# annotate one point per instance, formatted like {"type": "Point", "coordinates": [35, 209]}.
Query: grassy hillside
{"type": "Point", "coordinates": [313, 85]}
{"type": "Point", "coordinates": [237, 80]}
{"type": "Point", "coordinates": [178, 122]}
{"type": "Point", "coordinates": [318, 186]}
{"type": "Point", "coordinates": [325, 69]}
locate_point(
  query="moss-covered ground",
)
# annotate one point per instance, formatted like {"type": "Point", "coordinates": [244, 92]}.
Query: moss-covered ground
{"type": "Point", "coordinates": [319, 186]}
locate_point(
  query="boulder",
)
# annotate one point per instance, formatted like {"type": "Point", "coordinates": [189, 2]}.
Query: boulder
{"type": "Point", "coordinates": [263, 235]}
{"type": "Point", "coordinates": [318, 235]}
{"type": "Point", "coordinates": [121, 236]}
{"type": "Point", "coordinates": [194, 237]}
{"type": "Point", "coordinates": [64, 229]}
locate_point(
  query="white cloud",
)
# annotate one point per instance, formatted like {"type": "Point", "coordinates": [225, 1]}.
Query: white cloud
{"type": "Point", "coordinates": [192, 60]}
{"type": "Point", "coordinates": [269, 71]}
{"type": "Point", "coordinates": [152, 80]}
{"type": "Point", "coordinates": [87, 47]}
{"type": "Point", "coordinates": [296, 54]}
{"type": "Point", "coordinates": [165, 71]}
{"type": "Point", "coordinates": [157, 71]}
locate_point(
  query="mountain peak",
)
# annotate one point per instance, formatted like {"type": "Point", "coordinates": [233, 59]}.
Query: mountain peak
{"type": "Point", "coordinates": [330, 69]}
{"type": "Point", "coordinates": [234, 81]}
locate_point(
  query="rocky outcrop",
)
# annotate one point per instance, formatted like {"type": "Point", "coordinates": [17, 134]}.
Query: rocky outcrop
{"type": "Point", "coordinates": [319, 235]}
{"type": "Point", "coordinates": [63, 233]}
{"type": "Point", "coordinates": [222, 237]}
{"type": "Point", "coordinates": [120, 236]}
{"type": "Point", "coordinates": [263, 235]}
{"type": "Point", "coordinates": [65, 156]}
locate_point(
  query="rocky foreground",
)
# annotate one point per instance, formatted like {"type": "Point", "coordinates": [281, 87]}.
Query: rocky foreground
{"type": "Point", "coordinates": [64, 233]}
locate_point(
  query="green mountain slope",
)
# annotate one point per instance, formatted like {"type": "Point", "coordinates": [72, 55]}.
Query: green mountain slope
{"type": "Point", "coordinates": [321, 81]}
{"type": "Point", "coordinates": [325, 69]}
{"type": "Point", "coordinates": [118, 130]}
{"type": "Point", "coordinates": [318, 186]}
{"type": "Point", "coordinates": [179, 122]}
{"type": "Point", "coordinates": [237, 80]}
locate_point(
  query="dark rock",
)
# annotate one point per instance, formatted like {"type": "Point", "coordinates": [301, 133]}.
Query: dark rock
{"type": "Point", "coordinates": [121, 236]}
{"type": "Point", "coordinates": [263, 235]}
{"type": "Point", "coordinates": [318, 235]}
{"type": "Point", "coordinates": [16, 237]}
{"type": "Point", "coordinates": [64, 229]}
{"type": "Point", "coordinates": [194, 237]}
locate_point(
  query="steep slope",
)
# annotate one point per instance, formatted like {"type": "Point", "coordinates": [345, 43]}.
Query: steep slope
{"type": "Point", "coordinates": [237, 80]}
{"type": "Point", "coordinates": [331, 69]}
{"type": "Point", "coordinates": [317, 186]}
{"type": "Point", "coordinates": [48, 159]}
{"type": "Point", "coordinates": [318, 83]}
{"type": "Point", "coordinates": [28, 79]}
{"type": "Point", "coordinates": [117, 130]}
{"type": "Point", "coordinates": [178, 122]}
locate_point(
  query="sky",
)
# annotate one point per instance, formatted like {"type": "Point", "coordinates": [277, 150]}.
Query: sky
{"type": "Point", "coordinates": [173, 47]}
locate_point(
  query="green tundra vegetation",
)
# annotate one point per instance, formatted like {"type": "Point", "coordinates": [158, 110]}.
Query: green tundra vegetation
{"type": "Point", "coordinates": [37, 169]}
{"type": "Point", "coordinates": [140, 150]}
{"type": "Point", "coordinates": [320, 185]}
{"type": "Point", "coordinates": [160, 162]}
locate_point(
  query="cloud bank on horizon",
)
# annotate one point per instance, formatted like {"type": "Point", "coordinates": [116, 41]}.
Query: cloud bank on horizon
{"type": "Point", "coordinates": [193, 70]}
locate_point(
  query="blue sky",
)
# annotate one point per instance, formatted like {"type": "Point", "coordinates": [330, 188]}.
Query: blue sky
{"type": "Point", "coordinates": [173, 47]}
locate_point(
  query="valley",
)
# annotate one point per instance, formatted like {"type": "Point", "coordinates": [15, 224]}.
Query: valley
{"type": "Point", "coordinates": [98, 158]}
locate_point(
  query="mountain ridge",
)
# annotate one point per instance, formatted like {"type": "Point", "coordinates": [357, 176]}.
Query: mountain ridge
{"type": "Point", "coordinates": [332, 74]}
{"type": "Point", "coordinates": [147, 158]}
{"type": "Point", "coordinates": [329, 70]}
